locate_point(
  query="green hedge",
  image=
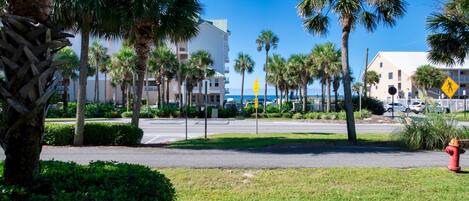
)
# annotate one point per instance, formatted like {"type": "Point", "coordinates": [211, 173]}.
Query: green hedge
{"type": "Point", "coordinates": [60, 181]}
{"type": "Point", "coordinates": [92, 110]}
{"type": "Point", "coordinates": [314, 115]}
{"type": "Point", "coordinates": [95, 134]}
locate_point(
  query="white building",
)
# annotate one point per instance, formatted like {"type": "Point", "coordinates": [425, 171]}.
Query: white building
{"type": "Point", "coordinates": [396, 69]}
{"type": "Point", "coordinates": [213, 37]}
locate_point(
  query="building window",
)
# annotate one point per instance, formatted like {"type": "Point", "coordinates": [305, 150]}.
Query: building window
{"type": "Point", "coordinates": [217, 82]}
{"type": "Point", "coordinates": [399, 75]}
{"type": "Point", "coordinates": [218, 98]}
{"type": "Point", "coordinates": [390, 76]}
{"type": "Point", "coordinates": [380, 64]}
{"type": "Point", "coordinates": [212, 98]}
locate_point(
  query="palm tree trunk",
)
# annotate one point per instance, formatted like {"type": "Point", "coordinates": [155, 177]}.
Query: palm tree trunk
{"type": "Point", "coordinates": [146, 90]}
{"type": "Point", "coordinates": [281, 99]}
{"type": "Point", "coordinates": [305, 96]}
{"type": "Point", "coordinates": [179, 78]}
{"type": "Point", "coordinates": [81, 101]}
{"type": "Point", "coordinates": [276, 94]}
{"type": "Point", "coordinates": [123, 95]}
{"type": "Point", "coordinates": [328, 95]}
{"type": "Point", "coordinates": [65, 83]}
{"type": "Point", "coordinates": [242, 89]}
{"type": "Point", "coordinates": [159, 96]}
{"type": "Point", "coordinates": [129, 97]}
{"type": "Point", "coordinates": [105, 86]}
{"type": "Point", "coordinates": [167, 90]}
{"type": "Point", "coordinates": [287, 95]}
{"type": "Point", "coordinates": [142, 49]}
{"type": "Point", "coordinates": [323, 96]}
{"type": "Point", "coordinates": [265, 82]}
{"type": "Point", "coordinates": [352, 136]}
{"type": "Point", "coordinates": [336, 98]}
{"type": "Point", "coordinates": [27, 103]}
{"type": "Point", "coordinates": [163, 91]}
{"type": "Point", "coordinates": [96, 85]}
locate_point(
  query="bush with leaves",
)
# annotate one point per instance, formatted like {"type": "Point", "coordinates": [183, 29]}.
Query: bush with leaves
{"type": "Point", "coordinates": [374, 105]}
{"type": "Point", "coordinates": [68, 181]}
{"type": "Point", "coordinates": [431, 132]}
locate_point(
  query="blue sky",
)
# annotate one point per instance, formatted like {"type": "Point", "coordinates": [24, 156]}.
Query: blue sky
{"type": "Point", "coordinates": [246, 19]}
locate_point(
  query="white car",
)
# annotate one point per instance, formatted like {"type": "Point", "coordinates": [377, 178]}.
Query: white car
{"type": "Point", "coordinates": [397, 107]}
{"type": "Point", "coordinates": [417, 107]}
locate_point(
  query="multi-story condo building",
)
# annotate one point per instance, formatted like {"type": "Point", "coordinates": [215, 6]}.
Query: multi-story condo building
{"type": "Point", "coordinates": [396, 69]}
{"type": "Point", "coordinates": [213, 37]}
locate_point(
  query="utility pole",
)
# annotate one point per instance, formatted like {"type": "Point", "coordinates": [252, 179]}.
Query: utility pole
{"type": "Point", "coordinates": [364, 75]}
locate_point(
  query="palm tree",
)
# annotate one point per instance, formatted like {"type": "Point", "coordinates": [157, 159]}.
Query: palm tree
{"type": "Point", "coordinates": [301, 66]}
{"type": "Point", "coordinates": [28, 68]}
{"type": "Point", "coordinates": [164, 64]}
{"type": "Point", "coordinates": [147, 21]}
{"type": "Point", "coordinates": [356, 87]}
{"type": "Point", "coordinates": [315, 14]}
{"type": "Point", "coordinates": [327, 58]}
{"type": "Point", "coordinates": [275, 75]}
{"type": "Point", "coordinates": [97, 56]}
{"type": "Point", "coordinates": [336, 85]}
{"type": "Point", "coordinates": [372, 78]}
{"type": "Point", "coordinates": [201, 61]}
{"type": "Point", "coordinates": [96, 18]}
{"type": "Point", "coordinates": [449, 41]}
{"type": "Point", "coordinates": [121, 71]}
{"type": "Point", "coordinates": [104, 68]}
{"type": "Point", "coordinates": [243, 63]}
{"type": "Point", "coordinates": [67, 70]}
{"type": "Point", "coordinates": [265, 41]}
{"type": "Point", "coordinates": [427, 77]}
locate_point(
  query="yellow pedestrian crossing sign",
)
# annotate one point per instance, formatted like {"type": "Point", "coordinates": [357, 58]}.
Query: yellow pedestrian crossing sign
{"type": "Point", "coordinates": [255, 88]}
{"type": "Point", "coordinates": [256, 103]}
{"type": "Point", "coordinates": [449, 87]}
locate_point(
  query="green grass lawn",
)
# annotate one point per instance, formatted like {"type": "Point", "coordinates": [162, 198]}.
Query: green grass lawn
{"type": "Point", "coordinates": [236, 141]}
{"type": "Point", "coordinates": [318, 184]}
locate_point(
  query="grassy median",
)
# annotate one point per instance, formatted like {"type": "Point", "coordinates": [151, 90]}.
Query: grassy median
{"type": "Point", "coordinates": [318, 184]}
{"type": "Point", "coordinates": [243, 141]}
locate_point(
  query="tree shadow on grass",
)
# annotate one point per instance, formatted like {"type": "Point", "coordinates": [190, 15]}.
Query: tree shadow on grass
{"type": "Point", "coordinates": [283, 145]}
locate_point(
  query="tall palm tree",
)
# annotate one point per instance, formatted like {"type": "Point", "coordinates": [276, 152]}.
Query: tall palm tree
{"type": "Point", "coordinates": [351, 13]}
{"type": "Point", "coordinates": [265, 41]}
{"type": "Point", "coordinates": [427, 77]}
{"type": "Point", "coordinates": [356, 87]}
{"type": "Point", "coordinates": [328, 59]}
{"type": "Point", "coordinates": [164, 64]}
{"type": "Point", "coordinates": [275, 75]}
{"type": "Point", "coordinates": [121, 71]}
{"type": "Point", "coordinates": [104, 68]}
{"type": "Point", "coordinates": [28, 67]}
{"type": "Point", "coordinates": [449, 41]}
{"type": "Point", "coordinates": [202, 62]}
{"type": "Point", "coordinates": [97, 18]}
{"type": "Point", "coordinates": [372, 78]}
{"type": "Point", "coordinates": [243, 64]}
{"type": "Point", "coordinates": [302, 67]}
{"type": "Point", "coordinates": [98, 56]}
{"type": "Point", "coordinates": [145, 21]}
{"type": "Point", "coordinates": [67, 70]}
{"type": "Point", "coordinates": [336, 85]}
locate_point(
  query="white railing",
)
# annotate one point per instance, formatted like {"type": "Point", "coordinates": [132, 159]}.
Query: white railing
{"type": "Point", "coordinates": [454, 105]}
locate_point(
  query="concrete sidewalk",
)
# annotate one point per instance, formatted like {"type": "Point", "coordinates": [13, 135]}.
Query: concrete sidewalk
{"type": "Point", "coordinates": [273, 157]}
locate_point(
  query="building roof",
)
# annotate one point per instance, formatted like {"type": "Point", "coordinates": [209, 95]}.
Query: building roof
{"type": "Point", "coordinates": [221, 24]}
{"type": "Point", "coordinates": [410, 61]}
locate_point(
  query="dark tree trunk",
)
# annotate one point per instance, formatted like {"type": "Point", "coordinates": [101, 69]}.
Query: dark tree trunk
{"type": "Point", "coordinates": [81, 101]}
{"type": "Point", "coordinates": [142, 49]}
{"type": "Point", "coordinates": [105, 86]}
{"type": "Point", "coordinates": [305, 96]}
{"type": "Point", "coordinates": [27, 62]}
{"type": "Point", "coordinates": [129, 98]}
{"type": "Point", "coordinates": [323, 96]}
{"type": "Point", "coordinates": [242, 89]}
{"type": "Point", "coordinates": [96, 85]}
{"type": "Point", "coordinates": [65, 83]}
{"type": "Point", "coordinates": [159, 96]}
{"type": "Point", "coordinates": [352, 136]}
{"type": "Point", "coordinates": [167, 90]}
{"type": "Point", "coordinates": [281, 99]}
{"type": "Point", "coordinates": [276, 93]}
{"type": "Point", "coordinates": [124, 93]}
{"type": "Point", "coordinates": [265, 82]}
{"type": "Point", "coordinates": [328, 81]}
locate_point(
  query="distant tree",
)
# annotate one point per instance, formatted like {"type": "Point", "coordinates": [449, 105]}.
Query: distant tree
{"type": "Point", "coordinates": [351, 13]}
{"type": "Point", "coordinates": [243, 64]}
{"type": "Point", "coordinates": [302, 67]}
{"type": "Point", "coordinates": [265, 41]}
{"type": "Point", "coordinates": [449, 40]}
{"type": "Point", "coordinates": [121, 71]}
{"type": "Point", "coordinates": [427, 77]}
{"type": "Point", "coordinates": [164, 65]}
{"type": "Point", "coordinates": [68, 70]}
{"type": "Point", "coordinates": [276, 75]}
{"type": "Point", "coordinates": [372, 78]}
{"type": "Point", "coordinates": [356, 88]}
{"type": "Point", "coordinates": [201, 63]}
{"type": "Point", "coordinates": [336, 86]}
{"type": "Point", "coordinates": [98, 59]}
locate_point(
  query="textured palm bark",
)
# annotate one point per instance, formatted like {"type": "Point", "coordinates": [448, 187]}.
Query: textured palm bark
{"type": "Point", "coordinates": [242, 89]}
{"type": "Point", "coordinates": [27, 49]}
{"type": "Point", "coordinates": [142, 49]}
{"type": "Point", "coordinates": [352, 136]}
{"type": "Point", "coordinates": [305, 96]}
{"type": "Point", "coordinates": [265, 82]}
{"type": "Point", "coordinates": [66, 84]}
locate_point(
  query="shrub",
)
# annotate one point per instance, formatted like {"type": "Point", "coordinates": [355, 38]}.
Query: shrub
{"type": "Point", "coordinates": [287, 115]}
{"type": "Point", "coordinates": [250, 109]}
{"type": "Point", "coordinates": [374, 105]}
{"type": "Point", "coordinates": [287, 107]}
{"type": "Point", "coordinates": [227, 112]}
{"type": "Point", "coordinates": [341, 116]}
{"type": "Point", "coordinates": [127, 114]}
{"type": "Point", "coordinates": [96, 181]}
{"type": "Point", "coordinates": [167, 111]}
{"type": "Point", "coordinates": [274, 115]}
{"type": "Point", "coordinates": [143, 114]}
{"type": "Point", "coordinates": [432, 132]}
{"type": "Point", "coordinates": [95, 134]}
{"type": "Point", "coordinates": [312, 115]}
{"type": "Point", "coordinates": [297, 116]}
{"type": "Point", "coordinates": [271, 109]}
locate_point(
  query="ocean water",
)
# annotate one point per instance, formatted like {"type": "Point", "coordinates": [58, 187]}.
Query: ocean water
{"type": "Point", "coordinates": [237, 98]}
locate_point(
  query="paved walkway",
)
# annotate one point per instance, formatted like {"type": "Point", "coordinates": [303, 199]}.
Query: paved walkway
{"type": "Point", "coordinates": [274, 157]}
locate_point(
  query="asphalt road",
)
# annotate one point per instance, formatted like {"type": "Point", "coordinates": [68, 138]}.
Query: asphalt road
{"type": "Point", "coordinates": [167, 130]}
{"type": "Point", "coordinates": [292, 156]}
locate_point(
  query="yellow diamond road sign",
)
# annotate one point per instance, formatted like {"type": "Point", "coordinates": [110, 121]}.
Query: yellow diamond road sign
{"type": "Point", "coordinates": [255, 88]}
{"type": "Point", "coordinates": [449, 87]}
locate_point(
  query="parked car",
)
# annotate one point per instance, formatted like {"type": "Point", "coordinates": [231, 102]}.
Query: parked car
{"type": "Point", "coordinates": [437, 108]}
{"type": "Point", "coordinates": [417, 107]}
{"type": "Point", "coordinates": [397, 107]}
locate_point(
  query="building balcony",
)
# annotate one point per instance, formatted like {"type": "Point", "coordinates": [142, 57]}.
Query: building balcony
{"type": "Point", "coordinates": [227, 69]}
{"type": "Point", "coordinates": [227, 80]}
{"type": "Point", "coordinates": [227, 91]}
{"type": "Point", "coordinates": [462, 78]}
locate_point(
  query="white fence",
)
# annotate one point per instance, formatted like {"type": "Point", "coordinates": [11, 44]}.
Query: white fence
{"type": "Point", "coordinates": [454, 105]}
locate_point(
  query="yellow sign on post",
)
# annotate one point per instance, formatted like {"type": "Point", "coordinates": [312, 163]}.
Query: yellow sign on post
{"type": "Point", "coordinates": [255, 88]}
{"type": "Point", "coordinates": [449, 87]}
{"type": "Point", "coordinates": [256, 103]}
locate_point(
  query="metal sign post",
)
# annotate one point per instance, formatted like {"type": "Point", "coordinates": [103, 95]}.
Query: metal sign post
{"type": "Point", "coordinates": [392, 91]}
{"type": "Point", "coordinates": [255, 89]}
{"type": "Point", "coordinates": [205, 83]}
